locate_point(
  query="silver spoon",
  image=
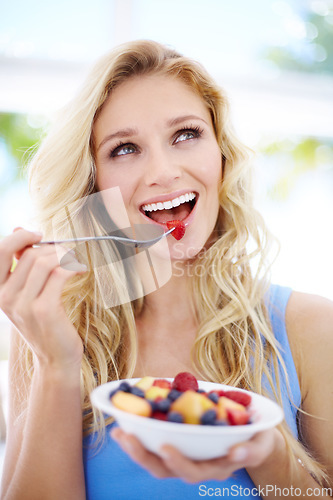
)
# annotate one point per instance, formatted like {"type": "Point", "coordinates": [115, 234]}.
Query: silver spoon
{"type": "Point", "coordinates": [123, 240]}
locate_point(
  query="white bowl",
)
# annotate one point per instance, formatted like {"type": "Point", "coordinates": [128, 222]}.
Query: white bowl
{"type": "Point", "coordinates": [199, 442]}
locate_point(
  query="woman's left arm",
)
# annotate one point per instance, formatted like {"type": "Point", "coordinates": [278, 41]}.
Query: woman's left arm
{"type": "Point", "coordinates": [309, 322]}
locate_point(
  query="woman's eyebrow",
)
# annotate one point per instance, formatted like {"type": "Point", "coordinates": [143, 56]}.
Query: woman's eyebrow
{"type": "Point", "coordinates": [181, 119]}
{"type": "Point", "coordinates": [126, 132]}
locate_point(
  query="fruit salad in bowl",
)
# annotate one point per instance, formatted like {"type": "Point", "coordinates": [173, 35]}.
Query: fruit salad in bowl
{"type": "Point", "coordinates": [201, 419]}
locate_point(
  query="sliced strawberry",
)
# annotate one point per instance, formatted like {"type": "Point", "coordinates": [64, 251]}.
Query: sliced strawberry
{"type": "Point", "coordinates": [185, 381]}
{"type": "Point", "coordinates": [237, 417]}
{"type": "Point", "coordinates": [158, 415]}
{"type": "Point", "coordinates": [179, 226]}
{"type": "Point", "coordinates": [161, 382]}
{"type": "Point", "coordinates": [239, 397]}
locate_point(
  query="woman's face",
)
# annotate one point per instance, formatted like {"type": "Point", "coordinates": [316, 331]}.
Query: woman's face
{"type": "Point", "coordinates": [154, 139]}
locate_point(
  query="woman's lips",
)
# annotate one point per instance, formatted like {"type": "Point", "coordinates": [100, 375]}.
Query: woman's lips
{"type": "Point", "coordinates": [172, 214]}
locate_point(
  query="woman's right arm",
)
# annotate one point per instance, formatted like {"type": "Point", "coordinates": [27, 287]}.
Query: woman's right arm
{"type": "Point", "coordinates": [44, 436]}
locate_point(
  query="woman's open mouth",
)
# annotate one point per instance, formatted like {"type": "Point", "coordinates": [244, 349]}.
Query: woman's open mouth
{"type": "Point", "coordinates": [178, 208]}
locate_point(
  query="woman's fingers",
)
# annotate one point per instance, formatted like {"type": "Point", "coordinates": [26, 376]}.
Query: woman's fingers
{"type": "Point", "coordinates": [50, 297]}
{"type": "Point", "coordinates": [12, 244]}
{"type": "Point", "coordinates": [194, 471]}
{"type": "Point", "coordinates": [251, 453]}
{"type": "Point", "coordinates": [47, 275]}
{"type": "Point", "coordinates": [173, 464]}
{"type": "Point", "coordinates": [149, 461]}
{"type": "Point", "coordinates": [31, 296]}
{"type": "Point", "coordinates": [31, 275]}
{"type": "Point", "coordinates": [26, 269]}
{"type": "Point", "coordinates": [255, 451]}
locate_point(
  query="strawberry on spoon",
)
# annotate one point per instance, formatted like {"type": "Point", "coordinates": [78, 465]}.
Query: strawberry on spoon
{"type": "Point", "coordinates": [179, 226]}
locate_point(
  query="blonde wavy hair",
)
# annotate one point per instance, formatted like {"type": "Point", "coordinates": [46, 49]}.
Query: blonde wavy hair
{"type": "Point", "coordinates": [235, 343]}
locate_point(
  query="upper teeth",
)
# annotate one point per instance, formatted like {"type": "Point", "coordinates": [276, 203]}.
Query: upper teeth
{"type": "Point", "coordinates": [175, 202]}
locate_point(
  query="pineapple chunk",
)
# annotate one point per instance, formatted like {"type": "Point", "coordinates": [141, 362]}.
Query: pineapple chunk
{"type": "Point", "coordinates": [145, 383]}
{"type": "Point", "coordinates": [156, 392]}
{"type": "Point", "coordinates": [191, 405]}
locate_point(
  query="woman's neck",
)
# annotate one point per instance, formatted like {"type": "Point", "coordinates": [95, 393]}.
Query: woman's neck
{"type": "Point", "coordinates": [172, 303]}
{"type": "Point", "coordinates": [167, 328]}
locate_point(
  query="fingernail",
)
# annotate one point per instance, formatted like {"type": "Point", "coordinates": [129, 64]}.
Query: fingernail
{"type": "Point", "coordinates": [70, 263]}
{"type": "Point", "coordinates": [164, 454]}
{"type": "Point", "coordinates": [115, 431]}
{"type": "Point", "coordinates": [70, 251]}
{"type": "Point", "coordinates": [38, 233]}
{"type": "Point", "coordinates": [77, 267]}
{"type": "Point", "coordinates": [126, 445]}
{"type": "Point", "coordinates": [239, 454]}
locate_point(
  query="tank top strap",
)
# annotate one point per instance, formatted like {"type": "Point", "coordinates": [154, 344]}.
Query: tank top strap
{"type": "Point", "coordinates": [277, 300]}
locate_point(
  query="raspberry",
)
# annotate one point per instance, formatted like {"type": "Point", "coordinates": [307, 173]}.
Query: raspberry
{"type": "Point", "coordinates": [185, 381]}
{"type": "Point", "coordinates": [179, 226]}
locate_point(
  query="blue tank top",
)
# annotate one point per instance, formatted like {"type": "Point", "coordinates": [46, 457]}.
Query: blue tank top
{"type": "Point", "coordinates": [111, 474]}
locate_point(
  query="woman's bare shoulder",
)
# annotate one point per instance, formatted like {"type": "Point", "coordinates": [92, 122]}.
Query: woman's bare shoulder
{"type": "Point", "coordinates": [309, 323]}
{"type": "Point", "coordinates": [309, 315]}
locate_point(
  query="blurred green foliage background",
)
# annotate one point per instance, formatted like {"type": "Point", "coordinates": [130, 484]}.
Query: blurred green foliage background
{"type": "Point", "coordinates": [311, 51]}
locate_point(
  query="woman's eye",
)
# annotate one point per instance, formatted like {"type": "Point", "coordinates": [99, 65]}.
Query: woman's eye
{"type": "Point", "coordinates": [185, 135]}
{"type": "Point", "coordinates": [123, 149]}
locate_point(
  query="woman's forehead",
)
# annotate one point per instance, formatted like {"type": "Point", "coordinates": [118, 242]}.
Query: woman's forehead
{"type": "Point", "coordinates": [153, 93]}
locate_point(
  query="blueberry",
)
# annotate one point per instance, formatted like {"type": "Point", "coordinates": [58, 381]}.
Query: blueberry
{"type": "Point", "coordinates": [137, 391]}
{"type": "Point", "coordinates": [163, 405]}
{"type": "Point", "coordinates": [176, 417]}
{"type": "Point", "coordinates": [213, 397]}
{"type": "Point", "coordinates": [153, 404]}
{"type": "Point", "coordinates": [174, 394]}
{"type": "Point", "coordinates": [201, 391]}
{"type": "Point", "coordinates": [112, 393]}
{"type": "Point", "coordinates": [221, 423]}
{"type": "Point", "coordinates": [208, 418]}
{"type": "Point", "coordinates": [125, 387]}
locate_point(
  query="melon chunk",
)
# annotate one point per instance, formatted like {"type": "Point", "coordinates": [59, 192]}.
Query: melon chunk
{"type": "Point", "coordinates": [131, 403]}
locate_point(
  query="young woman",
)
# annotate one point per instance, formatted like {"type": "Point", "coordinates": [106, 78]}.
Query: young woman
{"type": "Point", "coordinates": [154, 125]}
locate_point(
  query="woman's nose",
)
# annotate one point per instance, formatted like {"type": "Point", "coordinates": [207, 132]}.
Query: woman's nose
{"type": "Point", "coordinates": [161, 169]}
